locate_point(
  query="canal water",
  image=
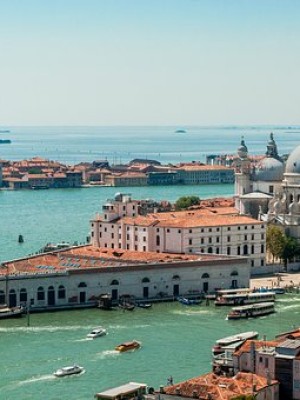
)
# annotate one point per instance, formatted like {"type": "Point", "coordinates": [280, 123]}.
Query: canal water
{"type": "Point", "coordinates": [176, 340]}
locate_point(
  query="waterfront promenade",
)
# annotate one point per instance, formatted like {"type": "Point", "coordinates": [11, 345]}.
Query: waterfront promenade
{"type": "Point", "coordinates": [290, 281]}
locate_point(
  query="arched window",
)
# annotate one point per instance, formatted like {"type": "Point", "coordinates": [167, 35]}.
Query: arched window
{"type": "Point", "coordinates": [145, 280]}
{"type": "Point", "coordinates": [176, 278]}
{"type": "Point", "coordinates": [245, 249]}
{"type": "Point", "coordinates": [114, 282]}
{"type": "Point", "coordinates": [205, 275]}
{"type": "Point", "coordinates": [40, 293]}
{"type": "Point", "coordinates": [61, 292]}
{"type": "Point", "coordinates": [210, 250]}
{"type": "Point", "coordinates": [23, 295]}
{"type": "Point", "coordinates": [2, 297]}
{"type": "Point", "coordinates": [82, 284]}
{"type": "Point", "coordinates": [234, 273]}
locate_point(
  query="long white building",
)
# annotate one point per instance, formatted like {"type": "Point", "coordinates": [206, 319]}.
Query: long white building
{"type": "Point", "coordinates": [76, 277]}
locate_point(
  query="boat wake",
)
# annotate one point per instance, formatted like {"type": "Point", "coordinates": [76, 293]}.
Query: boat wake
{"type": "Point", "coordinates": [36, 379]}
{"type": "Point", "coordinates": [37, 329]}
{"type": "Point", "coordinates": [107, 354]}
{"type": "Point", "coordinates": [192, 312]}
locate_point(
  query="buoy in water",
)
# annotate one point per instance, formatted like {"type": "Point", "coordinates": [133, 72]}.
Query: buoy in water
{"type": "Point", "coordinates": [20, 239]}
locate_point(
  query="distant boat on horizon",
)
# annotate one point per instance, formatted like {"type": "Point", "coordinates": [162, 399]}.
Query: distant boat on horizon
{"type": "Point", "coordinates": [180, 131]}
{"type": "Point", "coordinates": [5, 141]}
{"type": "Point", "coordinates": [4, 131]}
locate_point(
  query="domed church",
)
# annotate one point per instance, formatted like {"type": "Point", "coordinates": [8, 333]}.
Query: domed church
{"type": "Point", "coordinates": [270, 189]}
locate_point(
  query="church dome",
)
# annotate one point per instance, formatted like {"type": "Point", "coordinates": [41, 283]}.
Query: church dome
{"type": "Point", "coordinates": [269, 169]}
{"type": "Point", "coordinates": [293, 162]}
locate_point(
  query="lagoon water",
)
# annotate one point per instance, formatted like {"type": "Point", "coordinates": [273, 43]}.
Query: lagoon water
{"type": "Point", "coordinates": [176, 340]}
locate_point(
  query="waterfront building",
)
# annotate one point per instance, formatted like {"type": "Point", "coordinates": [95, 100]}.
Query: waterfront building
{"type": "Point", "coordinates": [76, 277]}
{"type": "Point", "coordinates": [278, 359]}
{"type": "Point", "coordinates": [196, 173]}
{"type": "Point", "coordinates": [218, 230]}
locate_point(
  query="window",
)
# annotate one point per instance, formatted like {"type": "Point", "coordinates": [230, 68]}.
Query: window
{"type": "Point", "coordinates": [245, 237]}
{"type": "Point", "coordinates": [176, 278]}
{"type": "Point", "coordinates": [210, 240]}
{"type": "Point", "coordinates": [228, 251]}
{"type": "Point", "coordinates": [202, 240]}
{"type": "Point", "coordinates": [157, 240]}
{"type": "Point", "coordinates": [262, 236]}
{"type": "Point", "coordinates": [266, 363]}
{"type": "Point", "coordinates": [168, 230]}
{"type": "Point", "coordinates": [202, 230]}
{"type": "Point", "coordinates": [262, 263]}
{"type": "Point", "coordinates": [112, 235]}
{"type": "Point", "coordinates": [100, 234]}
{"type": "Point", "coordinates": [262, 248]}
{"type": "Point", "coordinates": [210, 250]}
{"type": "Point", "coordinates": [105, 229]}
{"type": "Point", "coordinates": [144, 248]}
{"type": "Point", "coordinates": [252, 263]}
{"type": "Point", "coordinates": [190, 231]}
{"type": "Point", "coordinates": [127, 236]}
{"type": "Point", "coordinates": [145, 280]}
{"type": "Point", "coordinates": [157, 229]}
{"type": "Point", "coordinates": [61, 292]}
{"type": "Point", "coordinates": [218, 239]}
{"type": "Point", "coordinates": [40, 293]}
{"type": "Point", "coordinates": [135, 247]}
{"type": "Point", "coordinates": [127, 247]}
{"type": "Point", "coordinates": [234, 273]}
{"type": "Point", "coordinates": [271, 189]}
{"type": "Point", "coordinates": [228, 238]}
{"type": "Point", "coordinates": [136, 238]}
{"type": "Point", "coordinates": [205, 275]}
{"type": "Point", "coordinates": [190, 242]}
{"type": "Point", "coordinates": [179, 230]}
{"type": "Point", "coordinates": [209, 230]}
{"type": "Point", "coordinates": [144, 238]}
{"type": "Point", "coordinates": [252, 227]}
{"type": "Point", "coordinates": [229, 229]}
{"type": "Point", "coordinates": [246, 227]}
{"type": "Point", "coordinates": [2, 297]}
{"type": "Point", "coordinates": [239, 228]}
{"type": "Point", "coordinates": [239, 250]}
{"type": "Point", "coordinates": [114, 282]}
{"type": "Point", "coordinates": [82, 284]}
{"type": "Point", "coordinates": [23, 295]}
{"type": "Point", "coordinates": [112, 246]}
{"type": "Point", "coordinates": [245, 249]}
{"type": "Point", "coordinates": [217, 250]}
{"type": "Point", "coordinates": [252, 249]}
{"type": "Point", "coordinates": [218, 229]}
{"type": "Point", "coordinates": [252, 237]}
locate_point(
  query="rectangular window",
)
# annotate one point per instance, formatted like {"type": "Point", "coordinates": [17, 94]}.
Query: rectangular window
{"type": "Point", "coordinates": [245, 237]}
{"type": "Point", "coordinates": [262, 263]}
{"type": "Point", "coordinates": [135, 248]}
{"type": "Point", "coordinates": [168, 230]}
{"type": "Point", "coordinates": [179, 231]}
{"type": "Point", "coordinates": [228, 238]}
{"type": "Point", "coordinates": [144, 238]}
{"type": "Point", "coordinates": [262, 248]}
{"type": "Point", "coordinates": [190, 242]}
{"type": "Point", "coordinates": [252, 236]}
{"type": "Point", "coordinates": [210, 230]}
{"type": "Point", "coordinates": [218, 239]}
{"type": "Point", "coordinates": [127, 237]}
{"type": "Point", "coordinates": [202, 240]}
{"type": "Point", "coordinates": [144, 248]}
{"type": "Point", "coordinates": [228, 251]}
{"type": "Point", "coordinates": [229, 229]}
{"type": "Point", "coordinates": [105, 229]}
{"type": "Point", "coordinates": [218, 229]}
{"type": "Point", "coordinates": [127, 246]}
{"type": "Point", "coordinates": [190, 231]}
{"type": "Point", "coordinates": [202, 230]}
{"type": "Point", "coordinates": [112, 235]}
{"type": "Point", "coordinates": [210, 240]}
{"type": "Point", "coordinates": [262, 236]}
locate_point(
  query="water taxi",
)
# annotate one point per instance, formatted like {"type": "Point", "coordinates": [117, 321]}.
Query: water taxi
{"type": "Point", "coordinates": [126, 346]}
{"type": "Point", "coordinates": [65, 371]}
{"type": "Point", "coordinates": [251, 310]}
{"type": "Point", "coordinates": [244, 298]}
{"type": "Point", "coordinates": [96, 332]}
{"type": "Point", "coordinates": [222, 344]}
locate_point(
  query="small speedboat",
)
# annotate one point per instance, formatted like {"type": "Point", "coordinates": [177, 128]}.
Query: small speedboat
{"type": "Point", "coordinates": [11, 312]}
{"type": "Point", "coordinates": [188, 302]}
{"type": "Point", "coordinates": [65, 371]}
{"type": "Point", "coordinates": [144, 305]}
{"type": "Point", "coordinates": [126, 346]}
{"type": "Point", "coordinates": [96, 332]}
{"type": "Point", "coordinates": [127, 306]}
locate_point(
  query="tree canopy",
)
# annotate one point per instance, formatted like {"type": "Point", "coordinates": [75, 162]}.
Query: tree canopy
{"type": "Point", "coordinates": [186, 201]}
{"type": "Point", "coordinates": [275, 241]}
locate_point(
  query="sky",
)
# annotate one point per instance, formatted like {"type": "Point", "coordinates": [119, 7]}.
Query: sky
{"type": "Point", "coordinates": [149, 62]}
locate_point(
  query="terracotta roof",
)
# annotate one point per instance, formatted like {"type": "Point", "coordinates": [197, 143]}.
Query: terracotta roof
{"type": "Point", "coordinates": [191, 219]}
{"type": "Point", "coordinates": [246, 347]}
{"type": "Point", "coordinates": [94, 257]}
{"type": "Point", "coordinates": [214, 387]}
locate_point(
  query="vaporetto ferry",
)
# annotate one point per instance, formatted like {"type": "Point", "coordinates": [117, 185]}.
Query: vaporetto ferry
{"type": "Point", "coordinates": [244, 298]}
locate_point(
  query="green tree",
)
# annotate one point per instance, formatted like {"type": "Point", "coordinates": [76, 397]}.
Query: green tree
{"type": "Point", "coordinates": [290, 250]}
{"type": "Point", "coordinates": [186, 201]}
{"type": "Point", "coordinates": [34, 170]}
{"type": "Point", "coordinates": [276, 241]}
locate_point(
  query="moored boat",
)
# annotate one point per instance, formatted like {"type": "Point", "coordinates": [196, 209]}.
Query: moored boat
{"type": "Point", "coordinates": [251, 310]}
{"type": "Point", "coordinates": [65, 371]}
{"type": "Point", "coordinates": [127, 306]}
{"type": "Point", "coordinates": [143, 305]}
{"type": "Point", "coordinates": [96, 332]}
{"type": "Point", "coordinates": [222, 344]}
{"type": "Point", "coordinates": [11, 312]}
{"type": "Point", "coordinates": [126, 346]}
{"type": "Point", "coordinates": [188, 302]}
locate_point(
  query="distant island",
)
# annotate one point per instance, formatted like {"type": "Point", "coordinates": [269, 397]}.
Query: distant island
{"type": "Point", "coordinates": [4, 131]}
{"type": "Point", "coordinates": [5, 141]}
{"type": "Point", "coordinates": [180, 131]}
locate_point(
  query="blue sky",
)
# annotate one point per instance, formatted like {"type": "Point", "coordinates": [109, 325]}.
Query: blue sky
{"type": "Point", "coordinates": [149, 62]}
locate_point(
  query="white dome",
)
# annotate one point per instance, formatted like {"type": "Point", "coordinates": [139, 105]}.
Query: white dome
{"type": "Point", "coordinates": [293, 162]}
{"type": "Point", "coordinates": [269, 169]}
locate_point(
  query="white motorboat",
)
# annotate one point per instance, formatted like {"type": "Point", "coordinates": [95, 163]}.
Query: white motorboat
{"type": "Point", "coordinates": [97, 332]}
{"type": "Point", "coordinates": [65, 371]}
